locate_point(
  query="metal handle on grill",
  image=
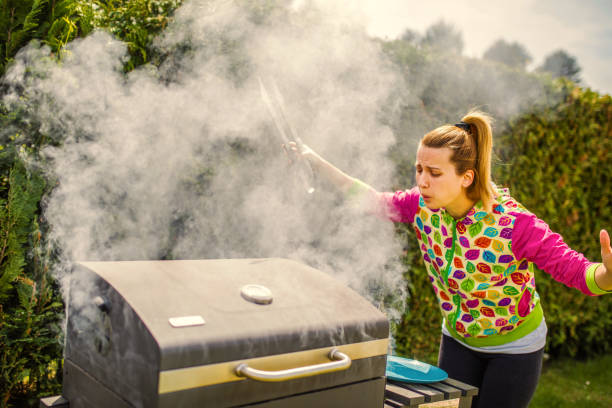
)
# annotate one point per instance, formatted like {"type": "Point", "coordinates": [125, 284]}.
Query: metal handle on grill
{"type": "Point", "coordinates": [341, 362]}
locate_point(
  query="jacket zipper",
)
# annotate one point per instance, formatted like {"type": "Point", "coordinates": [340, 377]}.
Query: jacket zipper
{"type": "Point", "coordinates": [449, 260]}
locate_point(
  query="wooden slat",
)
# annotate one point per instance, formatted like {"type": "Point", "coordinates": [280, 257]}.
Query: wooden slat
{"type": "Point", "coordinates": [403, 395]}
{"type": "Point", "coordinates": [467, 390]}
{"type": "Point", "coordinates": [452, 403]}
{"type": "Point", "coordinates": [431, 394]}
{"type": "Point", "coordinates": [392, 404]}
{"type": "Point", "coordinates": [449, 392]}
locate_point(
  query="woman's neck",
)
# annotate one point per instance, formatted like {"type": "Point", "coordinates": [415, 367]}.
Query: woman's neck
{"type": "Point", "coordinates": [460, 207]}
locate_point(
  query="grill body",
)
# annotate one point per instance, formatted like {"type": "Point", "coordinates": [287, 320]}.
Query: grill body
{"type": "Point", "coordinates": [171, 333]}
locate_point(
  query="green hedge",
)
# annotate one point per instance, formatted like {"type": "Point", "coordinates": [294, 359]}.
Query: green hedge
{"type": "Point", "coordinates": [30, 304]}
{"type": "Point", "coordinates": [557, 162]}
{"type": "Point", "coordinates": [31, 308]}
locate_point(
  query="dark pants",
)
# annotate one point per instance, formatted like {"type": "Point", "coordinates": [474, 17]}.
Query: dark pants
{"type": "Point", "coordinates": [503, 380]}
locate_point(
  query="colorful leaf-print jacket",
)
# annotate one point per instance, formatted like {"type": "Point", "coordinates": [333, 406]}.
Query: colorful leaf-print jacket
{"type": "Point", "coordinates": [482, 266]}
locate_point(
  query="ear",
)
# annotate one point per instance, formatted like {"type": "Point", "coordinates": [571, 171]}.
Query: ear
{"type": "Point", "coordinates": [467, 179]}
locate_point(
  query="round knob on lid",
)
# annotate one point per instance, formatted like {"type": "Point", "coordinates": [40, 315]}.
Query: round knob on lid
{"type": "Point", "coordinates": [258, 294]}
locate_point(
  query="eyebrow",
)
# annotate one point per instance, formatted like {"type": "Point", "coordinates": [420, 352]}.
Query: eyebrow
{"type": "Point", "coordinates": [429, 167]}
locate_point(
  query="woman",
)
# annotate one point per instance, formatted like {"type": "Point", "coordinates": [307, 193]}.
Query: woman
{"type": "Point", "coordinates": [480, 247]}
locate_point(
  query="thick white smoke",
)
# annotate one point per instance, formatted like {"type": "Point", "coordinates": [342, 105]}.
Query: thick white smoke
{"type": "Point", "coordinates": [183, 160]}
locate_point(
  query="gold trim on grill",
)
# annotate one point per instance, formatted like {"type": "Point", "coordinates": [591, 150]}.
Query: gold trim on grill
{"type": "Point", "coordinates": [200, 376]}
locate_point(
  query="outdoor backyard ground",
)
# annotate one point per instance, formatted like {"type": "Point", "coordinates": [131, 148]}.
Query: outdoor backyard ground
{"type": "Point", "coordinates": [573, 383]}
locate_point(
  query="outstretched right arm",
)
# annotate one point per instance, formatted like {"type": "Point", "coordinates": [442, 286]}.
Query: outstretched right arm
{"type": "Point", "coordinates": [400, 206]}
{"type": "Point", "coordinates": [339, 179]}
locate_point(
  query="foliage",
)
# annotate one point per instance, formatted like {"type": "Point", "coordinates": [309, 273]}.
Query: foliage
{"type": "Point", "coordinates": [512, 54]}
{"type": "Point", "coordinates": [443, 37]}
{"type": "Point", "coordinates": [135, 22]}
{"type": "Point", "coordinates": [30, 305]}
{"type": "Point", "coordinates": [55, 23]}
{"type": "Point", "coordinates": [31, 308]}
{"type": "Point", "coordinates": [561, 64]}
{"type": "Point", "coordinates": [411, 36]}
{"type": "Point", "coordinates": [565, 152]}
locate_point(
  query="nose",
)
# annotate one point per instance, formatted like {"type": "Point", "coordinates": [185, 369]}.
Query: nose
{"type": "Point", "coordinates": [422, 181]}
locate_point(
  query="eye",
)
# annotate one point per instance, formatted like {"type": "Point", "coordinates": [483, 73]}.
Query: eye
{"type": "Point", "coordinates": [435, 174]}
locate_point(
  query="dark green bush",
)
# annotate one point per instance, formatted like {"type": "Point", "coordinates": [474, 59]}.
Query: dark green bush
{"type": "Point", "coordinates": [135, 22]}
{"type": "Point", "coordinates": [31, 308]}
{"type": "Point", "coordinates": [558, 163]}
{"type": "Point", "coordinates": [30, 303]}
{"type": "Point", "coordinates": [55, 23]}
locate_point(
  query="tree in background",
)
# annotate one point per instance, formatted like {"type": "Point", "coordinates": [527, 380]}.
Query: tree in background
{"type": "Point", "coordinates": [561, 64]}
{"type": "Point", "coordinates": [512, 54]}
{"type": "Point", "coordinates": [411, 37]}
{"type": "Point", "coordinates": [443, 37]}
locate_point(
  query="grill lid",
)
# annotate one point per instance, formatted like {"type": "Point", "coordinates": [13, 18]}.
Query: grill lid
{"type": "Point", "coordinates": [210, 311]}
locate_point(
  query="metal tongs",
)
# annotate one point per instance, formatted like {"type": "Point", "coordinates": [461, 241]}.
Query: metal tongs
{"type": "Point", "coordinates": [276, 108]}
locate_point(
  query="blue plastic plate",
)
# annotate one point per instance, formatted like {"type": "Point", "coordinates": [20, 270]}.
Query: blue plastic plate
{"type": "Point", "coordinates": [407, 370]}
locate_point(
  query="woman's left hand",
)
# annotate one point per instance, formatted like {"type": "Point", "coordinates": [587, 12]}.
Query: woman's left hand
{"type": "Point", "coordinates": [603, 278]}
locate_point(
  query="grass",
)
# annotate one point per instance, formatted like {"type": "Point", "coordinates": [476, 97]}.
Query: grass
{"type": "Point", "coordinates": [573, 383]}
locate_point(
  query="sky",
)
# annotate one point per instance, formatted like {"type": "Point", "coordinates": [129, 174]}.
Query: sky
{"type": "Point", "coordinates": [582, 28]}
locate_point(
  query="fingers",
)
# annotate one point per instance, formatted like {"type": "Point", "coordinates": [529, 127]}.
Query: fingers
{"type": "Point", "coordinates": [284, 146]}
{"type": "Point", "coordinates": [291, 145]}
{"type": "Point", "coordinates": [291, 150]}
{"type": "Point", "coordinates": [604, 239]}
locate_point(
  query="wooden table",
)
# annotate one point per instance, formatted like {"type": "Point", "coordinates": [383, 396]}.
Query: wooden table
{"type": "Point", "coordinates": [443, 394]}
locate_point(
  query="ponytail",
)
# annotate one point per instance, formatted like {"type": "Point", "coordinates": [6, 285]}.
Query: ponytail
{"type": "Point", "coordinates": [471, 142]}
{"type": "Point", "coordinates": [480, 131]}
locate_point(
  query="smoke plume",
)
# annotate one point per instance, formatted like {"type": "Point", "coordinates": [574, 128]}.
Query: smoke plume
{"type": "Point", "coordinates": [182, 160]}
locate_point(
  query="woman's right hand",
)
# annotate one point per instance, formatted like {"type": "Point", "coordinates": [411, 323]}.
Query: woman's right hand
{"type": "Point", "coordinates": [321, 167]}
{"type": "Point", "coordinates": [297, 152]}
{"type": "Point", "coordinates": [300, 154]}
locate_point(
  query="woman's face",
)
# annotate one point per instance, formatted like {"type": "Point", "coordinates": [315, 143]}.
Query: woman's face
{"type": "Point", "coordinates": [438, 182]}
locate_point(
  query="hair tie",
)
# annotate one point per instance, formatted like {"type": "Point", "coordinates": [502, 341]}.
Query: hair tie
{"type": "Point", "coordinates": [464, 126]}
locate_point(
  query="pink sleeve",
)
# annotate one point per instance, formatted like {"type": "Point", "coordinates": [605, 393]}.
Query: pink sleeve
{"type": "Point", "coordinates": [533, 240]}
{"type": "Point", "coordinates": [400, 206]}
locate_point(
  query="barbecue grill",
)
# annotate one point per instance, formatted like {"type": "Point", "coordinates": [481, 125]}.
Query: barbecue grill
{"type": "Point", "coordinates": [220, 333]}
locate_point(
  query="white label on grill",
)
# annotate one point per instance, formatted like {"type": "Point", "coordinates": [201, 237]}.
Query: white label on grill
{"type": "Point", "coordinates": [186, 321]}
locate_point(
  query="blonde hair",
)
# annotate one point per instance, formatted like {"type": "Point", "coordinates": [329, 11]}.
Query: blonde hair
{"type": "Point", "coordinates": [471, 149]}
